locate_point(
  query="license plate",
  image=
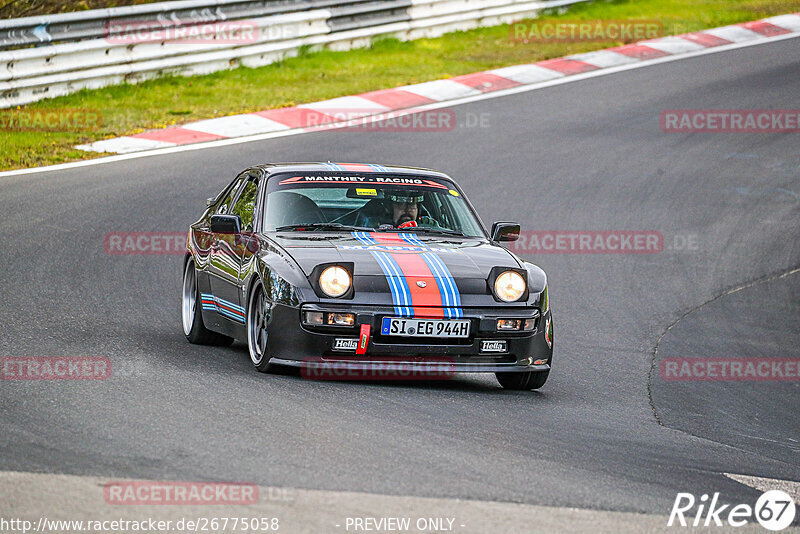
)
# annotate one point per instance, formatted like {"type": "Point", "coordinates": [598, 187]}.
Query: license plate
{"type": "Point", "coordinates": [398, 326]}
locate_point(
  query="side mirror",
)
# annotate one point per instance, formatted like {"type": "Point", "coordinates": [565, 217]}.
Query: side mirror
{"type": "Point", "coordinates": [505, 231]}
{"type": "Point", "coordinates": [226, 224]}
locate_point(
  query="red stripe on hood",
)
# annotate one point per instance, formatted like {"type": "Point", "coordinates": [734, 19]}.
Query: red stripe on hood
{"type": "Point", "coordinates": [427, 301]}
{"type": "Point", "coordinates": [389, 238]}
{"type": "Point", "coordinates": [356, 167]}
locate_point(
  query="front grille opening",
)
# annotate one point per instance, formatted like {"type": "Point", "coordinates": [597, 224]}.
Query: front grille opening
{"type": "Point", "coordinates": [387, 340]}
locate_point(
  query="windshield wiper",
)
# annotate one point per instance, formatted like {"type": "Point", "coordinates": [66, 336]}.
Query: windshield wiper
{"type": "Point", "coordinates": [425, 229]}
{"type": "Point", "coordinates": [322, 226]}
{"type": "Point", "coordinates": [344, 227]}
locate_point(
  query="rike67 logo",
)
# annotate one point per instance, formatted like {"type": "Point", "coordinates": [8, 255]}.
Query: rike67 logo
{"type": "Point", "coordinates": [774, 510]}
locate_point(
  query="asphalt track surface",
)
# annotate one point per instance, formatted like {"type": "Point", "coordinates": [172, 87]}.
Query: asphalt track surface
{"type": "Point", "coordinates": [604, 433]}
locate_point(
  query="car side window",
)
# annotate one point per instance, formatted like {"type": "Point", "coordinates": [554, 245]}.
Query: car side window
{"type": "Point", "coordinates": [441, 213]}
{"type": "Point", "coordinates": [224, 206]}
{"type": "Point", "coordinates": [245, 204]}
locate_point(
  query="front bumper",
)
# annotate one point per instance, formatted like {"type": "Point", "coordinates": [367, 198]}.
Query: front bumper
{"type": "Point", "coordinates": [293, 344]}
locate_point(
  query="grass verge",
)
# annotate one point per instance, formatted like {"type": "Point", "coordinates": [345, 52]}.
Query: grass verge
{"type": "Point", "coordinates": [130, 109]}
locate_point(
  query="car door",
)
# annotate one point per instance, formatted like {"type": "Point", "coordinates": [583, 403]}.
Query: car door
{"type": "Point", "coordinates": [227, 253]}
{"type": "Point", "coordinates": [205, 242]}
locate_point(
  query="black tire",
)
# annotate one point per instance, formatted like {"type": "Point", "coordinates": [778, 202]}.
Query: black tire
{"type": "Point", "coordinates": [258, 330]}
{"type": "Point", "coordinates": [193, 327]}
{"type": "Point", "coordinates": [523, 381]}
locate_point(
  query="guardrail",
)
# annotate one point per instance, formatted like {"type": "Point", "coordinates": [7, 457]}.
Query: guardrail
{"type": "Point", "coordinates": [45, 57]}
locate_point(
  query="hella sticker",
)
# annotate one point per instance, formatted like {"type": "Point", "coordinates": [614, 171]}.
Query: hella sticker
{"type": "Point", "coordinates": [493, 345]}
{"type": "Point", "coordinates": [345, 343]}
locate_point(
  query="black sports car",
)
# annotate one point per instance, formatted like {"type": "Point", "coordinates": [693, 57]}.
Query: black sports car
{"type": "Point", "coordinates": [351, 265]}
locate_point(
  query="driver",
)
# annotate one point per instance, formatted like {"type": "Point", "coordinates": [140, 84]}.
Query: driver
{"type": "Point", "coordinates": [397, 209]}
{"type": "Point", "coordinates": [405, 209]}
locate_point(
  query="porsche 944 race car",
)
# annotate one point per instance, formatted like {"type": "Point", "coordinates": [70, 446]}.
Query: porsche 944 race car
{"type": "Point", "coordinates": [351, 264]}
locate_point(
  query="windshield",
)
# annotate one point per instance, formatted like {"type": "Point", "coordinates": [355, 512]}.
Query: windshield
{"type": "Point", "coordinates": [369, 202]}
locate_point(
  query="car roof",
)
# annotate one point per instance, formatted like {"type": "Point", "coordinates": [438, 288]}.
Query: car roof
{"type": "Point", "coordinates": [361, 168]}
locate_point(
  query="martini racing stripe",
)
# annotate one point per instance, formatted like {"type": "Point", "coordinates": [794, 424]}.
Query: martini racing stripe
{"type": "Point", "coordinates": [364, 238]}
{"type": "Point", "coordinates": [356, 167]}
{"type": "Point", "coordinates": [387, 238]}
{"type": "Point", "coordinates": [334, 166]}
{"type": "Point", "coordinates": [401, 294]}
{"type": "Point", "coordinates": [415, 278]}
{"type": "Point", "coordinates": [412, 239]}
{"type": "Point", "coordinates": [425, 294]}
{"type": "Point", "coordinates": [447, 303]}
{"type": "Point", "coordinates": [451, 297]}
{"type": "Point", "coordinates": [222, 306]}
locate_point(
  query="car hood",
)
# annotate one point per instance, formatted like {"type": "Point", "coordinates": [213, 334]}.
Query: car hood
{"type": "Point", "coordinates": [464, 257]}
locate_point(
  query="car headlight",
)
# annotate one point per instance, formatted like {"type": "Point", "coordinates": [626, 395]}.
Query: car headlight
{"type": "Point", "coordinates": [335, 281]}
{"type": "Point", "coordinates": [509, 286]}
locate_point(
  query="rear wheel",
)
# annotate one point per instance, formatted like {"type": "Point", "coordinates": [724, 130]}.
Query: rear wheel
{"type": "Point", "coordinates": [523, 381]}
{"type": "Point", "coordinates": [257, 329]}
{"type": "Point", "coordinates": [193, 327]}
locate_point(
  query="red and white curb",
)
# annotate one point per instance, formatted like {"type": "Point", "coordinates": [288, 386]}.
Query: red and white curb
{"type": "Point", "coordinates": [328, 113]}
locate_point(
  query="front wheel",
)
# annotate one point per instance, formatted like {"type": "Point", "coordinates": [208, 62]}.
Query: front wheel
{"type": "Point", "coordinates": [193, 327]}
{"type": "Point", "coordinates": [257, 329]}
{"type": "Point", "coordinates": [523, 381]}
